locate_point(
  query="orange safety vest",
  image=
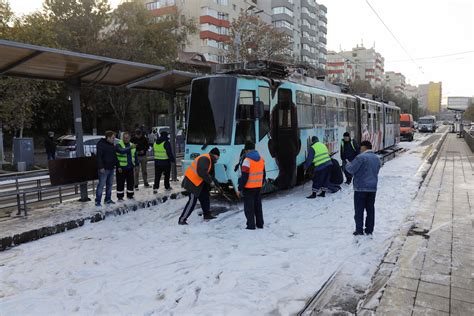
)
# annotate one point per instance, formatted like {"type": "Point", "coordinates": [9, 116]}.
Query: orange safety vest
{"type": "Point", "coordinates": [191, 172]}
{"type": "Point", "coordinates": [257, 169]}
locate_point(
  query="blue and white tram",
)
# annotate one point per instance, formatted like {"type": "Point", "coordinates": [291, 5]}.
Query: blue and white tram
{"type": "Point", "coordinates": [280, 116]}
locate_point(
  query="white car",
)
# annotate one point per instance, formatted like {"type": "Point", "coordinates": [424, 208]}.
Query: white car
{"type": "Point", "coordinates": [66, 147]}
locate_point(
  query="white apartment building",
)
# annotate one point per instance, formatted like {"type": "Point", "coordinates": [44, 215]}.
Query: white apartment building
{"type": "Point", "coordinates": [395, 81]}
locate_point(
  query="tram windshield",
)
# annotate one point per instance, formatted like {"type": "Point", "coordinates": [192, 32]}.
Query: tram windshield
{"type": "Point", "coordinates": [211, 111]}
{"type": "Point", "coordinates": [426, 121]}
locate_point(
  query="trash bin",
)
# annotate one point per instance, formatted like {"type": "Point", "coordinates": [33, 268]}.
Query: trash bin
{"type": "Point", "coordinates": [21, 166]}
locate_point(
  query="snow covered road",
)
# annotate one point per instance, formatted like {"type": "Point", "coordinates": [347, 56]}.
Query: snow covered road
{"type": "Point", "coordinates": [143, 263]}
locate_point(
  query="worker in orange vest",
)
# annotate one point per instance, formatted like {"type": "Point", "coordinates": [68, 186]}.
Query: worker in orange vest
{"type": "Point", "coordinates": [198, 180]}
{"type": "Point", "coordinates": [250, 186]}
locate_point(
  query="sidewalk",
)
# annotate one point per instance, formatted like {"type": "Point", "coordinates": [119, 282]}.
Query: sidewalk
{"type": "Point", "coordinates": [433, 272]}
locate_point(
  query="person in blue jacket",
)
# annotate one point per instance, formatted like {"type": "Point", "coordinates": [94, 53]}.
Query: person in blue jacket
{"type": "Point", "coordinates": [365, 169]}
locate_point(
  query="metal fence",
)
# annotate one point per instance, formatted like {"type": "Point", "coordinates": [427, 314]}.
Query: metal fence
{"type": "Point", "coordinates": [469, 140]}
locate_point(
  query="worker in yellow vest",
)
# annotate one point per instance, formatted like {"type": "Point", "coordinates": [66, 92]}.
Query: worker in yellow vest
{"type": "Point", "coordinates": [318, 156]}
{"type": "Point", "coordinates": [198, 180]}
{"type": "Point", "coordinates": [250, 186]}
{"type": "Point", "coordinates": [126, 161]}
{"type": "Point", "coordinates": [163, 156]}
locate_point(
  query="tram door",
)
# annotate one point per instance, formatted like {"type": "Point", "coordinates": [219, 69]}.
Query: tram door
{"type": "Point", "coordinates": [285, 142]}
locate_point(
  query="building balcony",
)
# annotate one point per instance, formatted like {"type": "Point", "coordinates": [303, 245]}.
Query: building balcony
{"type": "Point", "coordinates": [323, 8]}
{"type": "Point", "coordinates": [323, 40]}
{"type": "Point", "coordinates": [323, 29]}
{"type": "Point", "coordinates": [323, 18]}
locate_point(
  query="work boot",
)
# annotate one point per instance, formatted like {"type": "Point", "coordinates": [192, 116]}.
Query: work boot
{"type": "Point", "coordinates": [147, 185]}
{"type": "Point", "coordinates": [348, 182]}
{"type": "Point", "coordinates": [312, 196]}
{"type": "Point", "coordinates": [357, 233]}
{"type": "Point", "coordinates": [322, 194]}
{"type": "Point", "coordinates": [182, 222]}
{"type": "Point", "coordinates": [155, 191]}
{"type": "Point", "coordinates": [109, 202]}
{"type": "Point", "coordinates": [169, 189]}
{"type": "Point", "coordinates": [97, 204]}
{"type": "Point", "coordinates": [136, 188]}
{"type": "Point", "coordinates": [208, 216]}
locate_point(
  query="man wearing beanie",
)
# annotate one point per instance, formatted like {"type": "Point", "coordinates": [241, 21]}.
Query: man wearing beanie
{"type": "Point", "coordinates": [197, 181]}
{"type": "Point", "coordinates": [349, 150]}
{"type": "Point", "coordinates": [250, 185]}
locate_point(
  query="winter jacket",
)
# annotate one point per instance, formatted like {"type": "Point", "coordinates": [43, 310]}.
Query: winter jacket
{"type": "Point", "coordinates": [169, 152]}
{"type": "Point", "coordinates": [127, 150]}
{"type": "Point", "coordinates": [106, 157]}
{"type": "Point", "coordinates": [50, 145]}
{"type": "Point", "coordinates": [255, 156]}
{"type": "Point", "coordinates": [142, 145]}
{"type": "Point", "coordinates": [365, 169]}
{"type": "Point", "coordinates": [349, 150]}
{"type": "Point", "coordinates": [202, 167]}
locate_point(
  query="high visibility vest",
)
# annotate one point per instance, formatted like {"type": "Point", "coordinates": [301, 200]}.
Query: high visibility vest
{"type": "Point", "coordinates": [321, 154]}
{"type": "Point", "coordinates": [191, 172]}
{"type": "Point", "coordinates": [257, 169]}
{"type": "Point", "coordinates": [123, 158]}
{"type": "Point", "coordinates": [160, 151]}
{"type": "Point", "coordinates": [342, 145]}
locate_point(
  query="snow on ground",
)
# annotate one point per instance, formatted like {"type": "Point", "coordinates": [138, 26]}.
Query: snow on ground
{"type": "Point", "coordinates": [143, 263]}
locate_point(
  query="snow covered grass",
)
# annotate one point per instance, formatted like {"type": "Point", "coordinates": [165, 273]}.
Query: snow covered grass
{"type": "Point", "coordinates": [143, 263]}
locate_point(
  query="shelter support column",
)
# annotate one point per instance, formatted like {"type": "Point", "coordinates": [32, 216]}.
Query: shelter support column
{"type": "Point", "coordinates": [75, 89]}
{"type": "Point", "coordinates": [172, 120]}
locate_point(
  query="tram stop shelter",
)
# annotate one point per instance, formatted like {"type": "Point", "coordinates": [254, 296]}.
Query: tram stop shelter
{"type": "Point", "coordinates": [173, 83]}
{"type": "Point", "coordinates": [74, 69]}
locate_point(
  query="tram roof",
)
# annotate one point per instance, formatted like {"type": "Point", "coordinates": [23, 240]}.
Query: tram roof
{"type": "Point", "coordinates": [39, 62]}
{"type": "Point", "coordinates": [172, 81]}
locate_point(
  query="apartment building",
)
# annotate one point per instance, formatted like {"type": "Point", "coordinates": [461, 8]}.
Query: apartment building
{"type": "Point", "coordinates": [429, 96]}
{"type": "Point", "coordinates": [395, 81]}
{"type": "Point", "coordinates": [339, 69]}
{"type": "Point", "coordinates": [411, 91]}
{"type": "Point", "coordinates": [368, 63]}
{"type": "Point", "coordinates": [305, 22]}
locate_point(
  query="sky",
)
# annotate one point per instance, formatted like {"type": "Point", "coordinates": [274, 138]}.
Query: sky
{"type": "Point", "coordinates": [425, 28]}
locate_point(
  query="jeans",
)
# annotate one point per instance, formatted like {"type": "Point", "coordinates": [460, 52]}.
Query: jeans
{"type": "Point", "coordinates": [364, 201]}
{"type": "Point", "coordinates": [346, 173]}
{"type": "Point", "coordinates": [142, 163]}
{"type": "Point", "coordinates": [105, 179]}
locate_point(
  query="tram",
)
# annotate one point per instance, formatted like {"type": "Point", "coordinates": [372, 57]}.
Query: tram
{"type": "Point", "coordinates": [279, 113]}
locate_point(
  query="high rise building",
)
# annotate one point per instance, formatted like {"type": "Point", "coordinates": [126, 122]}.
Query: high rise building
{"type": "Point", "coordinates": [339, 69]}
{"type": "Point", "coordinates": [369, 64]}
{"type": "Point", "coordinates": [429, 96]}
{"type": "Point", "coordinates": [305, 22]}
{"type": "Point", "coordinates": [411, 91]}
{"type": "Point", "coordinates": [395, 81]}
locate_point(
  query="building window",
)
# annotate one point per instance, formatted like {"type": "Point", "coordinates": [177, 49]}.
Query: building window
{"type": "Point", "coordinates": [283, 23]}
{"type": "Point", "coordinates": [160, 4]}
{"type": "Point", "coordinates": [222, 2]}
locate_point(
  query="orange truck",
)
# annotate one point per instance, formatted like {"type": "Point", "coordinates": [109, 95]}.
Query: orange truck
{"type": "Point", "coordinates": [407, 127]}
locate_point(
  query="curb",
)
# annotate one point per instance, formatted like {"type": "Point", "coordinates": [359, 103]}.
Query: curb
{"type": "Point", "coordinates": [371, 299]}
{"type": "Point", "coordinates": [38, 233]}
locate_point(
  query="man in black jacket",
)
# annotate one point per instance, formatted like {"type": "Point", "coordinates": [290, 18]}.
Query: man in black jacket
{"type": "Point", "coordinates": [106, 162]}
{"type": "Point", "coordinates": [50, 146]}
{"type": "Point", "coordinates": [349, 150]}
{"type": "Point", "coordinates": [142, 148]}
{"type": "Point", "coordinates": [198, 179]}
{"type": "Point", "coordinates": [163, 156]}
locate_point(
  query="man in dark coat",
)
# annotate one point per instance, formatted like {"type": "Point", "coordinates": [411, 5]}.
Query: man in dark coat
{"type": "Point", "coordinates": [142, 148]}
{"type": "Point", "coordinates": [163, 156]}
{"type": "Point", "coordinates": [349, 150]}
{"type": "Point", "coordinates": [50, 146]}
{"type": "Point", "coordinates": [106, 163]}
{"type": "Point", "coordinates": [198, 179]}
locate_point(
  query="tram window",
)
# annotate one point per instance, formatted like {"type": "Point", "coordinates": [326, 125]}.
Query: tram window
{"type": "Point", "coordinates": [342, 111]}
{"type": "Point", "coordinates": [305, 109]}
{"type": "Point", "coordinates": [331, 116]}
{"type": "Point", "coordinates": [320, 109]}
{"type": "Point", "coordinates": [245, 107]}
{"type": "Point", "coordinates": [264, 123]}
{"type": "Point", "coordinates": [245, 131]}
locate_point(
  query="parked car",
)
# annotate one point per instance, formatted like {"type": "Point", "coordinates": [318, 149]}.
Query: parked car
{"type": "Point", "coordinates": [66, 147]}
{"type": "Point", "coordinates": [471, 130]}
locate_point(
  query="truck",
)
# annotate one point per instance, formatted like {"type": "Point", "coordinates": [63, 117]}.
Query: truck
{"type": "Point", "coordinates": [407, 127]}
{"type": "Point", "coordinates": [427, 124]}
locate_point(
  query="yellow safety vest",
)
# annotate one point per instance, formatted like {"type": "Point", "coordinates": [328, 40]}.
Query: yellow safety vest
{"type": "Point", "coordinates": [160, 151]}
{"type": "Point", "coordinates": [122, 158]}
{"type": "Point", "coordinates": [321, 154]}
